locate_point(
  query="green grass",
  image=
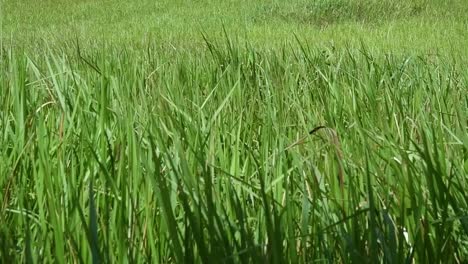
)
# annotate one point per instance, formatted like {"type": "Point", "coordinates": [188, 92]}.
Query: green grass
{"type": "Point", "coordinates": [430, 26]}
{"type": "Point", "coordinates": [116, 148]}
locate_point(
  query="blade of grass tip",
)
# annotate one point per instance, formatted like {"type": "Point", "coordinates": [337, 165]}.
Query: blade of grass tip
{"type": "Point", "coordinates": [304, 52]}
{"type": "Point", "coordinates": [228, 41]}
{"type": "Point", "coordinates": [93, 225]}
{"type": "Point", "coordinates": [215, 53]}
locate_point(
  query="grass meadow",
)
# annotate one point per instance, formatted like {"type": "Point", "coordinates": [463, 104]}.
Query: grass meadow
{"type": "Point", "coordinates": [326, 131]}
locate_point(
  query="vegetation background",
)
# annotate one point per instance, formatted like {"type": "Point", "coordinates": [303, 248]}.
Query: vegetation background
{"type": "Point", "coordinates": [234, 131]}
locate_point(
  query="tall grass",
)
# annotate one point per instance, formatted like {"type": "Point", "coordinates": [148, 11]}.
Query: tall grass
{"type": "Point", "coordinates": [116, 155]}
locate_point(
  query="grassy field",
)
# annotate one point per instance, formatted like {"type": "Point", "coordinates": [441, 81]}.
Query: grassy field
{"type": "Point", "coordinates": [328, 131]}
{"type": "Point", "coordinates": [391, 25]}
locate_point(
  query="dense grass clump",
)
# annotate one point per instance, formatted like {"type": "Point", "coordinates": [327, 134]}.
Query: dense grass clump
{"type": "Point", "coordinates": [118, 155]}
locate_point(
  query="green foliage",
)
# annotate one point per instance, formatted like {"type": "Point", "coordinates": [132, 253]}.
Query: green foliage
{"type": "Point", "coordinates": [160, 155]}
{"type": "Point", "coordinates": [419, 26]}
{"type": "Point", "coordinates": [143, 132]}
